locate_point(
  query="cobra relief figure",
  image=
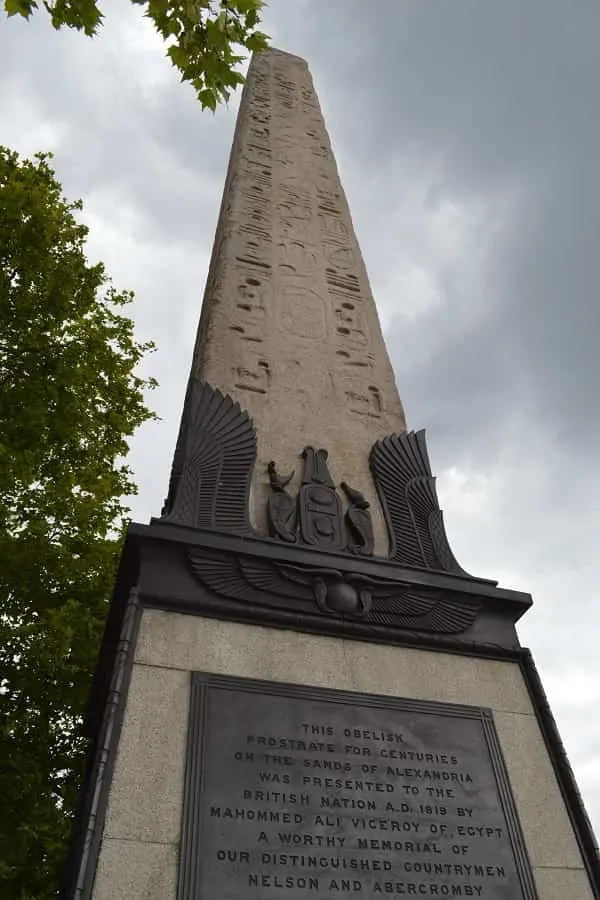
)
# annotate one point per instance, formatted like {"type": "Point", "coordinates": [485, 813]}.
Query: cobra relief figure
{"type": "Point", "coordinates": [282, 507]}
{"type": "Point", "coordinates": [358, 522]}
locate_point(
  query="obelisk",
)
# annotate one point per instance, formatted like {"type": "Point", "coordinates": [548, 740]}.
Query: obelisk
{"type": "Point", "coordinates": [300, 693]}
{"type": "Point", "coordinates": [289, 327]}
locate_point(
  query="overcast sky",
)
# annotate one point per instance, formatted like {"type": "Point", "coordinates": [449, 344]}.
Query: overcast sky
{"type": "Point", "coordinates": [468, 140]}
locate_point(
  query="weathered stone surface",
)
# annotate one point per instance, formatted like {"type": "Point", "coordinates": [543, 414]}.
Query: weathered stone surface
{"type": "Point", "coordinates": [546, 826]}
{"type": "Point", "coordinates": [558, 884]}
{"type": "Point", "coordinates": [145, 801]}
{"type": "Point", "coordinates": [145, 797]}
{"type": "Point", "coordinates": [130, 870]}
{"type": "Point", "coordinates": [192, 642]}
{"type": "Point", "coordinates": [289, 326]}
{"type": "Point", "coordinates": [173, 640]}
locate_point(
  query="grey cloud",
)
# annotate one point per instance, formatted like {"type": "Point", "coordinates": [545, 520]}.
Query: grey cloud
{"type": "Point", "coordinates": [149, 145]}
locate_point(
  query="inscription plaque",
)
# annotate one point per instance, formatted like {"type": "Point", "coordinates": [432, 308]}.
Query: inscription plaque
{"type": "Point", "coordinates": [295, 792]}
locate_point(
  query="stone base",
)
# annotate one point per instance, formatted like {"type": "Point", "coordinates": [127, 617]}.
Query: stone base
{"type": "Point", "coordinates": [140, 844]}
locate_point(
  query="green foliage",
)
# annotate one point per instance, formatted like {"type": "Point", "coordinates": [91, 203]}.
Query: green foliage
{"type": "Point", "coordinates": [201, 35]}
{"type": "Point", "coordinates": [69, 401]}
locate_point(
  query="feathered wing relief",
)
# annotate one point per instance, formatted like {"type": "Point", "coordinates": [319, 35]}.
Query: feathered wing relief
{"type": "Point", "coordinates": [349, 596]}
{"type": "Point", "coordinates": [212, 469]}
{"type": "Point", "coordinates": [254, 581]}
{"type": "Point", "coordinates": [406, 488]}
{"type": "Point", "coordinates": [433, 611]}
{"type": "Point", "coordinates": [178, 456]}
{"type": "Point", "coordinates": [441, 547]}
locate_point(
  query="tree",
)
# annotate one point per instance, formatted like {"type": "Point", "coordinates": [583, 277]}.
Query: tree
{"type": "Point", "coordinates": [201, 35]}
{"type": "Point", "coordinates": [69, 400]}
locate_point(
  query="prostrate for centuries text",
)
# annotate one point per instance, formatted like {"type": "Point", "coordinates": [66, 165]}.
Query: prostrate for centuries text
{"type": "Point", "coordinates": [307, 794]}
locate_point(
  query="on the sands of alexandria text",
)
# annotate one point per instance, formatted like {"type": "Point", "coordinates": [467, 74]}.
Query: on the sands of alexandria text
{"type": "Point", "coordinates": [355, 811]}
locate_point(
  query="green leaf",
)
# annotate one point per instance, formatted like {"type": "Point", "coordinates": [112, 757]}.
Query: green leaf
{"type": "Point", "coordinates": [206, 34]}
{"type": "Point", "coordinates": [70, 399]}
{"type": "Point", "coordinates": [178, 56]}
{"type": "Point", "coordinates": [257, 41]}
{"type": "Point", "coordinates": [19, 7]}
{"type": "Point", "coordinates": [208, 99]}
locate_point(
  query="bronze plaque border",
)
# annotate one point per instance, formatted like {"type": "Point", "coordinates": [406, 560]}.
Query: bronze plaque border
{"type": "Point", "coordinates": [190, 863]}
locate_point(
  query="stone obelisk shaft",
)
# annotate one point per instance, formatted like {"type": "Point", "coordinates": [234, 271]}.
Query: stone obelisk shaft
{"type": "Point", "coordinates": [289, 326]}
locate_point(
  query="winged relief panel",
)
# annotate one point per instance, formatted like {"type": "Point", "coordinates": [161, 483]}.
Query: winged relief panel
{"type": "Point", "coordinates": [213, 463]}
{"type": "Point", "coordinates": [258, 582]}
{"type": "Point", "coordinates": [212, 471]}
{"type": "Point", "coordinates": [406, 488]}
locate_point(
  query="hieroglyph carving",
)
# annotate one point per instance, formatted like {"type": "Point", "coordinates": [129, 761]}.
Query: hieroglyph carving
{"type": "Point", "coordinates": [241, 278]}
{"type": "Point", "coordinates": [286, 260]}
{"type": "Point", "coordinates": [317, 246]}
{"type": "Point", "coordinates": [289, 327]}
